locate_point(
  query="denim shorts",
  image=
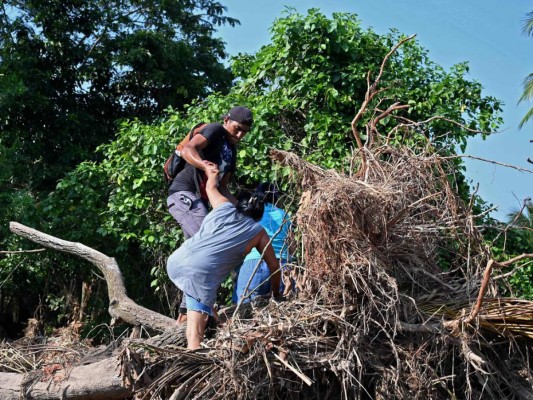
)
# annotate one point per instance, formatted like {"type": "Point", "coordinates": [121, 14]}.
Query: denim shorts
{"type": "Point", "coordinates": [194, 305]}
{"type": "Point", "coordinates": [259, 285]}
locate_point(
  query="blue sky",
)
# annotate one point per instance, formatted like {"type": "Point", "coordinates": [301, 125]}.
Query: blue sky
{"type": "Point", "coordinates": [486, 33]}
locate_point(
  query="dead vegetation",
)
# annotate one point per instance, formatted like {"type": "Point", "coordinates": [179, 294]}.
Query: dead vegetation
{"type": "Point", "coordinates": [395, 298]}
{"type": "Point", "coordinates": [378, 317]}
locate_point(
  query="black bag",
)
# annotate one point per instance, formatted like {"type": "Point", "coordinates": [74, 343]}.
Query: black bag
{"type": "Point", "coordinates": [175, 163]}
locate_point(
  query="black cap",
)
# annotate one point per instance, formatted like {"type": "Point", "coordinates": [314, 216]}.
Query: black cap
{"type": "Point", "coordinates": [241, 114]}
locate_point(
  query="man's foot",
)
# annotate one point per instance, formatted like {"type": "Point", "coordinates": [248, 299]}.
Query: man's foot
{"type": "Point", "coordinates": [182, 318]}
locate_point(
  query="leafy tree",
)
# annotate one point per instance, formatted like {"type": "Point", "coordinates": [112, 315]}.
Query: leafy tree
{"type": "Point", "coordinates": [521, 223]}
{"type": "Point", "coordinates": [70, 68]}
{"type": "Point", "coordinates": [524, 219]}
{"type": "Point", "coordinates": [304, 88]}
{"type": "Point", "coordinates": [511, 239]}
{"type": "Point", "coordinates": [310, 80]}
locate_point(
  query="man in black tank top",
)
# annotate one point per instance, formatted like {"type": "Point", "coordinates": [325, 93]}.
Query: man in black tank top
{"type": "Point", "coordinates": [215, 145]}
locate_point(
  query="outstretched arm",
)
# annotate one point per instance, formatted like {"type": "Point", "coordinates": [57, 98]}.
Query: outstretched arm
{"type": "Point", "coordinates": [223, 188]}
{"type": "Point", "coordinates": [265, 247]}
{"type": "Point", "coordinates": [215, 197]}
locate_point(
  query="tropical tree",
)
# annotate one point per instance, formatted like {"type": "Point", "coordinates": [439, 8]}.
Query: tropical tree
{"type": "Point", "coordinates": [527, 94]}
{"type": "Point", "coordinates": [312, 77]}
{"type": "Point", "coordinates": [69, 69]}
{"type": "Point", "coordinates": [304, 88]}
{"type": "Point", "coordinates": [523, 219]}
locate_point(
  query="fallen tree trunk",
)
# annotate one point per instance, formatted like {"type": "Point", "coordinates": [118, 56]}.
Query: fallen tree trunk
{"type": "Point", "coordinates": [97, 381]}
{"type": "Point", "coordinates": [99, 375]}
{"type": "Point", "coordinates": [121, 307]}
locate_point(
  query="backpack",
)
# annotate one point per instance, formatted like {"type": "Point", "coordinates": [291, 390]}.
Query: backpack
{"type": "Point", "coordinates": [175, 163]}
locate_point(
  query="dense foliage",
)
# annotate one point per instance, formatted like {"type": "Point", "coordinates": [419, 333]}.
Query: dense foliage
{"type": "Point", "coordinates": [304, 88]}
{"type": "Point", "coordinates": [69, 69]}
{"type": "Point", "coordinates": [518, 238]}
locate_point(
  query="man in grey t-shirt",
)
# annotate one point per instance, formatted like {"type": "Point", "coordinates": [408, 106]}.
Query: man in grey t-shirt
{"type": "Point", "coordinates": [226, 235]}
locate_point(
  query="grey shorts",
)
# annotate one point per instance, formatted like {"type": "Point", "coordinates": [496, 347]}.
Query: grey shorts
{"type": "Point", "coordinates": [189, 210]}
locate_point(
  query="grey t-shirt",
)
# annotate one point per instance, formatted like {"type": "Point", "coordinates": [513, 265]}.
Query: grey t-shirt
{"type": "Point", "coordinates": [202, 262]}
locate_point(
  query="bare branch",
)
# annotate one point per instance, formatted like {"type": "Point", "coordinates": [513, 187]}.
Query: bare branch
{"type": "Point", "coordinates": [22, 251]}
{"type": "Point", "coordinates": [121, 307]}
{"type": "Point", "coordinates": [371, 92]}
{"type": "Point", "coordinates": [490, 161]}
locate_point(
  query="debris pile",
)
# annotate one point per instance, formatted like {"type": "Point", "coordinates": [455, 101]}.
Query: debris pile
{"type": "Point", "coordinates": [379, 317]}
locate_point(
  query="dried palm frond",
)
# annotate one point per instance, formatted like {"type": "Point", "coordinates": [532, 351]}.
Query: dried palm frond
{"type": "Point", "coordinates": [377, 316]}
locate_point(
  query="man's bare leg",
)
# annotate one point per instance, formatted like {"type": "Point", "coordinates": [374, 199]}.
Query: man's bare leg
{"type": "Point", "coordinates": [182, 318]}
{"type": "Point", "coordinates": [196, 322]}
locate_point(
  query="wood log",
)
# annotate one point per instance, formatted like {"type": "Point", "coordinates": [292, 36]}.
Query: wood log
{"type": "Point", "coordinates": [97, 381]}
{"type": "Point", "coordinates": [98, 375]}
{"type": "Point", "coordinates": [121, 307]}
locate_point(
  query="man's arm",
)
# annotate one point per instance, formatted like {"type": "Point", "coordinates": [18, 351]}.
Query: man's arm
{"type": "Point", "coordinates": [191, 151]}
{"type": "Point", "coordinates": [191, 154]}
{"type": "Point", "coordinates": [223, 188]}
{"type": "Point", "coordinates": [265, 247]}
{"type": "Point", "coordinates": [211, 187]}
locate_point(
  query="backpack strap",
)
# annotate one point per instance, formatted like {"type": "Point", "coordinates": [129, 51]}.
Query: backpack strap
{"type": "Point", "coordinates": [196, 129]}
{"type": "Point", "coordinates": [196, 183]}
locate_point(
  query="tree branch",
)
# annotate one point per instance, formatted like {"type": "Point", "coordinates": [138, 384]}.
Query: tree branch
{"type": "Point", "coordinates": [22, 251]}
{"type": "Point", "coordinates": [485, 282]}
{"type": "Point", "coordinates": [121, 307]}
{"type": "Point", "coordinates": [371, 92]}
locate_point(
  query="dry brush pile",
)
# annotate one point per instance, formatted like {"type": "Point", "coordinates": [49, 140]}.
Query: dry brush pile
{"type": "Point", "coordinates": [376, 316]}
{"type": "Point", "coordinates": [395, 297]}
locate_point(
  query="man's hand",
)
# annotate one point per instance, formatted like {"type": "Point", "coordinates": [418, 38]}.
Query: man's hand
{"type": "Point", "coordinates": [211, 188]}
{"type": "Point", "coordinates": [211, 170]}
{"type": "Point", "coordinates": [208, 165]}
